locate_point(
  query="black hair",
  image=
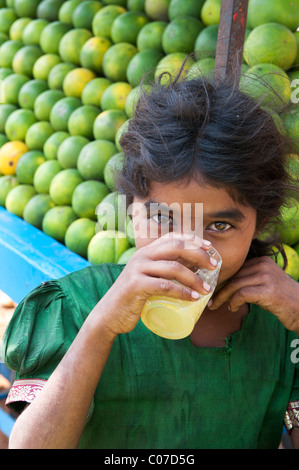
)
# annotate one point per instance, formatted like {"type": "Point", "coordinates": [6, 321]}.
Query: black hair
{"type": "Point", "coordinates": [212, 129]}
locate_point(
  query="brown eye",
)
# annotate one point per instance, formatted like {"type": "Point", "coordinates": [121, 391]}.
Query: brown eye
{"type": "Point", "coordinates": [220, 226]}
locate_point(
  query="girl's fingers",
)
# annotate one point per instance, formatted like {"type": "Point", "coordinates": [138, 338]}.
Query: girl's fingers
{"type": "Point", "coordinates": [173, 270]}
{"type": "Point", "coordinates": [166, 287]}
{"type": "Point", "coordinates": [192, 251]}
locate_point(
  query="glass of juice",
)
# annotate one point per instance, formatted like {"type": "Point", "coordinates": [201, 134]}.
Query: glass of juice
{"type": "Point", "coordinates": [175, 318]}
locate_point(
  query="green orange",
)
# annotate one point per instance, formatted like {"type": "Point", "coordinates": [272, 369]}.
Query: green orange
{"type": "Point", "coordinates": [18, 197]}
{"type": "Point", "coordinates": [44, 174]}
{"type": "Point", "coordinates": [26, 8]}
{"type": "Point", "coordinates": [171, 65]}
{"type": "Point", "coordinates": [57, 220]}
{"type": "Point", "coordinates": [71, 44]}
{"type": "Point", "coordinates": [112, 169]}
{"type": "Point", "coordinates": [93, 91]}
{"type": "Point", "coordinates": [7, 52]}
{"type": "Point", "coordinates": [69, 150]}
{"type": "Point", "coordinates": [48, 9]}
{"type": "Point", "coordinates": [36, 208]}
{"type": "Point", "coordinates": [18, 123]}
{"type": "Point", "coordinates": [30, 91]}
{"type": "Point", "coordinates": [44, 65]}
{"type": "Point", "coordinates": [150, 36]}
{"type": "Point", "coordinates": [143, 66]}
{"type": "Point", "coordinates": [24, 60]}
{"type": "Point", "coordinates": [92, 53]}
{"type": "Point", "coordinates": [104, 19]}
{"type": "Point", "coordinates": [82, 119]}
{"type": "Point", "coordinates": [66, 11]}
{"type": "Point", "coordinates": [17, 28]}
{"type": "Point", "coordinates": [45, 102]}
{"type": "Point", "coordinates": [76, 80]}
{"type": "Point", "coordinates": [87, 196]}
{"type": "Point", "coordinates": [5, 111]}
{"type": "Point", "coordinates": [180, 34]}
{"type": "Point", "coordinates": [126, 255]}
{"type": "Point", "coordinates": [210, 12]}
{"type": "Point", "coordinates": [117, 59]}
{"type": "Point", "coordinates": [7, 182]}
{"type": "Point", "coordinates": [107, 124]}
{"type": "Point", "coordinates": [52, 144]}
{"type": "Point", "coordinates": [57, 75]}
{"type": "Point", "coordinates": [37, 135]}
{"type": "Point", "coordinates": [52, 35]}
{"type": "Point", "coordinates": [115, 95]}
{"type": "Point", "coordinates": [157, 9]}
{"type": "Point", "coordinates": [7, 18]}
{"type": "Point", "coordinates": [79, 234]}
{"type": "Point", "coordinates": [63, 185]}
{"type": "Point", "coordinates": [106, 247]}
{"type": "Point", "coordinates": [178, 8]}
{"type": "Point", "coordinates": [84, 13]}
{"type": "Point", "coordinates": [27, 166]}
{"type": "Point", "coordinates": [61, 112]}
{"type": "Point", "coordinates": [93, 158]}
{"type": "Point", "coordinates": [285, 12]}
{"type": "Point", "coordinates": [125, 27]}
{"type": "Point", "coordinates": [32, 32]}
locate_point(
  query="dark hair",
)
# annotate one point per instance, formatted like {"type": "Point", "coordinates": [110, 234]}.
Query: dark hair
{"type": "Point", "coordinates": [212, 129]}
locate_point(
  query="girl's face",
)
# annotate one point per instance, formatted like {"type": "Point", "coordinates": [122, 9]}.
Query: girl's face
{"type": "Point", "coordinates": [228, 225]}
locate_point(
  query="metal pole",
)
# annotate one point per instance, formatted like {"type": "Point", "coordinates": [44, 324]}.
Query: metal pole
{"type": "Point", "coordinates": [230, 41]}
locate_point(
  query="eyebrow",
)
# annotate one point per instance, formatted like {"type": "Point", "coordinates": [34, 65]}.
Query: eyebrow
{"type": "Point", "coordinates": [161, 205]}
{"type": "Point", "coordinates": [232, 214]}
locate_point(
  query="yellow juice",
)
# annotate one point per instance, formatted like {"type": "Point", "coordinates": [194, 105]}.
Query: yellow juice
{"type": "Point", "coordinates": [172, 318]}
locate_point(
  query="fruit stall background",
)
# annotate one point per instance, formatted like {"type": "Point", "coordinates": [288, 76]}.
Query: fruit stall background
{"type": "Point", "coordinates": [70, 73]}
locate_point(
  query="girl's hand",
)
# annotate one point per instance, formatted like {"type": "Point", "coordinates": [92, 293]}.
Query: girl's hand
{"type": "Point", "coordinates": [152, 270]}
{"type": "Point", "coordinates": [261, 281]}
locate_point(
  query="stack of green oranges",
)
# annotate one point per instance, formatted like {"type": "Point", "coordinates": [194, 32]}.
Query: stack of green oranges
{"type": "Point", "coordinates": [70, 76]}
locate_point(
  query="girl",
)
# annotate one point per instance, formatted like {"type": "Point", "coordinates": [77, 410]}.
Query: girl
{"type": "Point", "coordinates": [94, 375]}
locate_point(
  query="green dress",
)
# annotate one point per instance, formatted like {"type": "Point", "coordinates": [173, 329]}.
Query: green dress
{"type": "Point", "coordinates": [156, 393]}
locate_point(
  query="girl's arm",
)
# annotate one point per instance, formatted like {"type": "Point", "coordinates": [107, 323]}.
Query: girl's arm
{"type": "Point", "coordinates": [57, 416]}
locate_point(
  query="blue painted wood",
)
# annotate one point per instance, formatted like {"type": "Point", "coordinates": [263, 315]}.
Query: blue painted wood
{"type": "Point", "coordinates": [28, 257]}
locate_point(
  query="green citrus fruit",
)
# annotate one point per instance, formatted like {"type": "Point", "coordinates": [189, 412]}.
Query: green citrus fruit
{"type": "Point", "coordinates": [150, 36]}
{"type": "Point", "coordinates": [135, 5]}
{"type": "Point", "coordinates": [186, 8]}
{"type": "Point", "coordinates": [79, 234]}
{"type": "Point", "coordinates": [123, 128]}
{"type": "Point", "coordinates": [290, 121]}
{"type": "Point", "coordinates": [66, 11]}
{"type": "Point", "coordinates": [5, 71]}
{"type": "Point", "coordinates": [63, 185]}
{"type": "Point", "coordinates": [296, 248]}
{"type": "Point", "coordinates": [157, 9]}
{"type": "Point", "coordinates": [32, 32]}
{"type": "Point", "coordinates": [87, 196]}
{"type": "Point", "coordinates": [133, 97]}
{"type": "Point", "coordinates": [125, 27]}
{"type": "Point", "coordinates": [104, 18]}
{"type": "Point", "coordinates": [48, 9]}
{"type": "Point", "coordinates": [27, 166]}
{"type": "Point", "coordinates": [143, 66]}
{"type": "Point", "coordinates": [18, 197]}
{"type": "Point", "coordinates": [271, 43]}
{"type": "Point", "coordinates": [289, 229]}
{"type": "Point", "coordinates": [37, 135]}
{"type": "Point", "coordinates": [210, 12]}
{"type": "Point", "coordinates": [57, 75]}
{"type": "Point", "coordinates": [82, 119]}
{"type": "Point", "coordinates": [7, 18]}
{"type": "Point", "coordinates": [44, 65]}
{"type": "Point", "coordinates": [69, 149]}
{"type": "Point", "coordinates": [36, 208]}
{"type": "Point", "coordinates": [106, 247]}
{"type": "Point", "coordinates": [92, 53]}
{"type": "Point", "coordinates": [18, 123]}
{"type": "Point", "coordinates": [10, 153]}
{"type": "Point", "coordinates": [84, 13]}
{"type": "Point", "coordinates": [24, 60]}
{"type": "Point", "coordinates": [93, 91]}
{"type": "Point", "coordinates": [7, 182]}
{"type": "Point", "coordinates": [111, 213]}
{"type": "Point", "coordinates": [117, 59]}
{"type": "Point", "coordinates": [30, 91]}
{"type": "Point", "coordinates": [268, 84]}
{"type": "Point", "coordinates": [93, 158]}
{"type": "Point", "coordinates": [44, 175]}
{"type": "Point", "coordinates": [202, 68]}
{"type": "Point", "coordinates": [278, 11]}
{"type": "Point", "coordinates": [17, 28]}
{"type": "Point", "coordinates": [180, 34]}
{"type": "Point", "coordinates": [25, 8]}
{"type": "Point", "coordinates": [52, 144]}
{"type": "Point", "coordinates": [171, 64]}
{"type": "Point", "coordinates": [61, 112]}
{"type": "Point", "coordinates": [7, 52]}
{"type": "Point", "coordinates": [206, 42]}
{"type": "Point", "coordinates": [126, 255]}
{"type": "Point", "coordinates": [5, 111]}
{"type": "Point", "coordinates": [76, 80]}
{"type": "Point", "coordinates": [57, 220]}
{"type": "Point", "coordinates": [115, 95]}
{"type": "Point", "coordinates": [107, 124]}
{"type": "Point", "coordinates": [52, 35]}
{"type": "Point", "coordinates": [71, 44]}
{"type": "Point", "coordinates": [112, 169]}
{"type": "Point", "coordinates": [3, 140]}
{"type": "Point", "coordinates": [45, 102]}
